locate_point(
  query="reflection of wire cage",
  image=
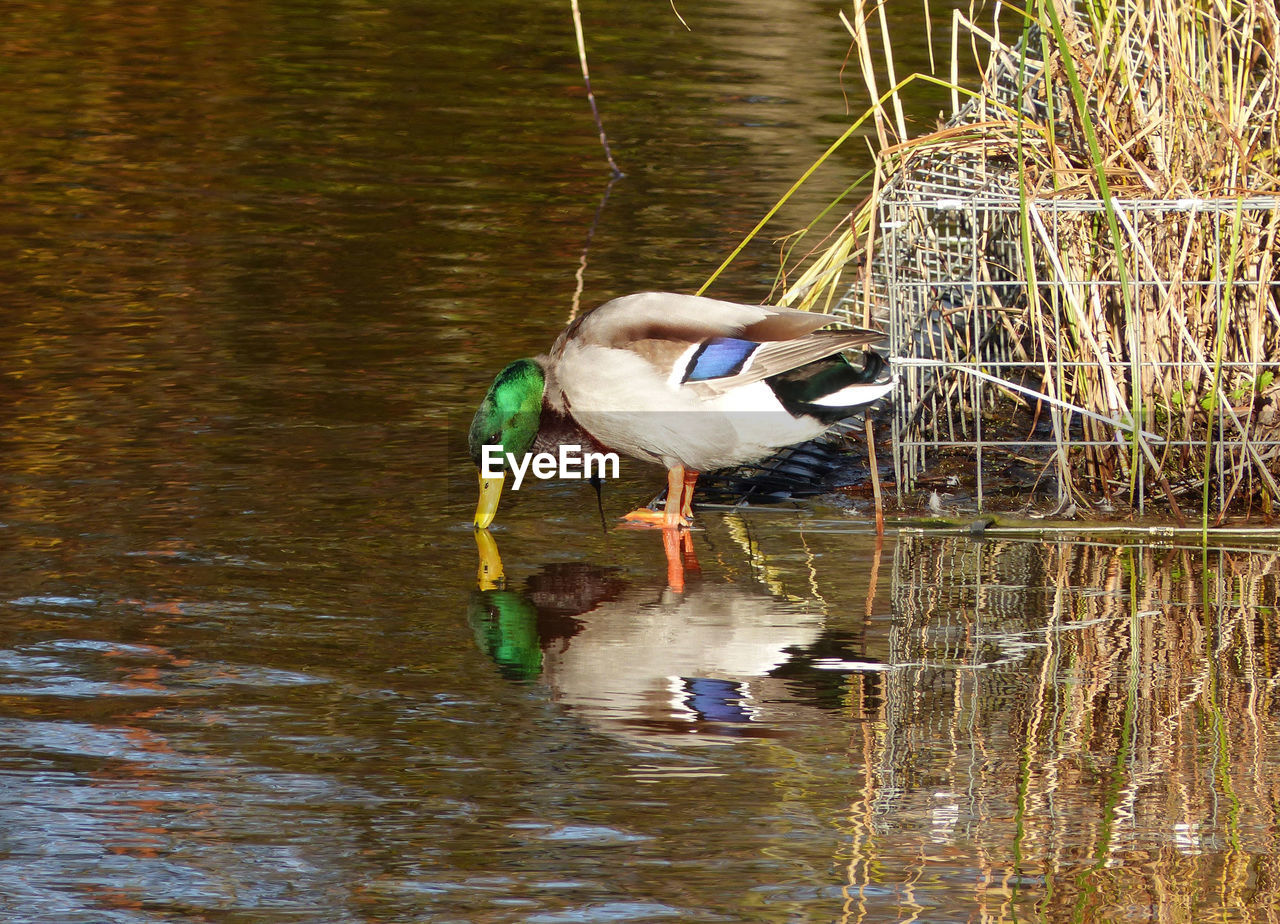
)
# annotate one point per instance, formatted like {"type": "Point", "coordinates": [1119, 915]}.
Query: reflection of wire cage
{"type": "Point", "coordinates": [1058, 703]}
{"type": "Point", "coordinates": [961, 609]}
{"type": "Point", "coordinates": [984, 378]}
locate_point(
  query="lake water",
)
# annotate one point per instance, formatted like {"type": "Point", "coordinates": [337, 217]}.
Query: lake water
{"type": "Point", "coordinates": [261, 260]}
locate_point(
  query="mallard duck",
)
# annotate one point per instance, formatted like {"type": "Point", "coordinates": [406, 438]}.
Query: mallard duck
{"type": "Point", "coordinates": [691, 383]}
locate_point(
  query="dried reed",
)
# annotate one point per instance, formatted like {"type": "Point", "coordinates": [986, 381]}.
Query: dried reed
{"type": "Point", "coordinates": [1156, 309]}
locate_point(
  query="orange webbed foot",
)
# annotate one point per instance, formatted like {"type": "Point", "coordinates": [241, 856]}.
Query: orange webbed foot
{"type": "Point", "coordinates": [679, 506]}
{"type": "Point", "coordinates": [646, 518]}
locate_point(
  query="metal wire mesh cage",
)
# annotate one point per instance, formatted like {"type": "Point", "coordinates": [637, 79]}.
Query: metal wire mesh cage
{"type": "Point", "coordinates": [1035, 357]}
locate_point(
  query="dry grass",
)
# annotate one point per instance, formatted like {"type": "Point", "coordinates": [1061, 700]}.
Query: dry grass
{"type": "Point", "coordinates": [1163, 319]}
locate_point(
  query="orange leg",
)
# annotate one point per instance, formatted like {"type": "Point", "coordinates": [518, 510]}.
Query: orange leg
{"type": "Point", "coordinates": [673, 517]}
{"type": "Point", "coordinates": [686, 507]}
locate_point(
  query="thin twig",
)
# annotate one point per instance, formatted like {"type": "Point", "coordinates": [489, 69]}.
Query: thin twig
{"type": "Point", "coordinates": [591, 97]}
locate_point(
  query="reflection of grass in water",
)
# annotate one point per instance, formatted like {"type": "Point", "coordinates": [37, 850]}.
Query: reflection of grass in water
{"type": "Point", "coordinates": [1110, 716]}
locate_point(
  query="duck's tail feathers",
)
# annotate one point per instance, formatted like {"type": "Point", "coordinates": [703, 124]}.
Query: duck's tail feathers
{"type": "Point", "coordinates": [833, 388]}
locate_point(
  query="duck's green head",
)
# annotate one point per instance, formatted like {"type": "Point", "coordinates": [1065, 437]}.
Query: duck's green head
{"type": "Point", "coordinates": [507, 422]}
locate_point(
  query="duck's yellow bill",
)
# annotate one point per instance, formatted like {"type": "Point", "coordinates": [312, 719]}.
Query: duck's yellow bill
{"type": "Point", "coordinates": [490, 494]}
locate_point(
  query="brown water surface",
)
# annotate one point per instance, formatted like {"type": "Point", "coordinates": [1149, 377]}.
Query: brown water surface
{"type": "Point", "coordinates": [257, 262]}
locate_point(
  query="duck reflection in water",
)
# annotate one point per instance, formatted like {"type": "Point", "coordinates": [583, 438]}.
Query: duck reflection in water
{"type": "Point", "coordinates": [638, 659]}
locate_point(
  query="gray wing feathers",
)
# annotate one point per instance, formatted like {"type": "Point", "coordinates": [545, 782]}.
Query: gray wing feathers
{"type": "Point", "coordinates": [690, 318]}
{"type": "Point", "coordinates": [660, 327]}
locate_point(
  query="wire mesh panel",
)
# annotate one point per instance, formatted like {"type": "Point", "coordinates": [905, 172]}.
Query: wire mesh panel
{"type": "Point", "coordinates": [977, 389]}
{"type": "Point", "coordinates": [1054, 345]}
{"type": "Point", "coordinates": [945, 275]}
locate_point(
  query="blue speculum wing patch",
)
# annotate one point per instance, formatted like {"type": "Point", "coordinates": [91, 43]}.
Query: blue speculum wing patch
{"type": "Point", "coordinates": [718, 358]}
